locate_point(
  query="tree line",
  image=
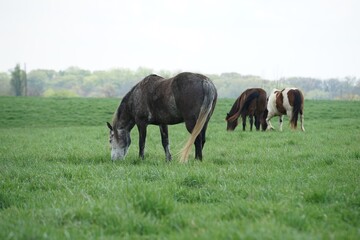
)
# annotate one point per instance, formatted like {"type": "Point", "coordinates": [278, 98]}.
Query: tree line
{"type": "Point", "coordinates": [77, 82]}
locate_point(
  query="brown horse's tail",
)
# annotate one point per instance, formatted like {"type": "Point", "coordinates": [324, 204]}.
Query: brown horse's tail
{"type": "Point", "coordinates": [205, 113]}
{"type": "Point", "coordinates": [248, 101]}
{"type": "Point", "coordinates": [244, 104]}
{"type": "Point", "coordinates": [297, 108]}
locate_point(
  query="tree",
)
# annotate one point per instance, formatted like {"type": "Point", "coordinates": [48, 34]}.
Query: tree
{"type": "Point", "coordinates": [333, 86]}
{"type": "Point", "coordinates": [37, 82]}
{"type": "Point", "coordinates": [18, 78]}
{"type": "Point", "coordinates": [5, 88]}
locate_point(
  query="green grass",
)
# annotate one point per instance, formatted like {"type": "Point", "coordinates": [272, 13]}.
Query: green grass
{"type": "Point", "coordinates": [57, 180]}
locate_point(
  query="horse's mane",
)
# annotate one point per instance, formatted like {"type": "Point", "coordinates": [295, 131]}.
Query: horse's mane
{"type": "Point", "coordinates": [126, 98]}
{"type": "Point", "coordinates": [122, 107]}
{"type": "Point", "coordinates": [234, 109]}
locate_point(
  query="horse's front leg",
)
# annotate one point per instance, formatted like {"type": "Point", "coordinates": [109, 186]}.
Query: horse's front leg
{"type": "Point", "coordinates": [165, 141]}
{"type": "Point", "coordinates": [268, 118]}
{"type": "Point", "coordinates": [142, 137]}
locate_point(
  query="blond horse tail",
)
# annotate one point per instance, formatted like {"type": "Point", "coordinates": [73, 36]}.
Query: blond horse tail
{"type": "Point", "coordinates": [204, 116]}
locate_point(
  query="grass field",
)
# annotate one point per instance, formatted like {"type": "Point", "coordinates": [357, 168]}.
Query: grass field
{"type": "Point", "coordinates": [57, 180]}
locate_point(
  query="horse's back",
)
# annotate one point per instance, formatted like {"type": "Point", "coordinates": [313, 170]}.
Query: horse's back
{"type": "Point", "coordinates": [275, 103]}
{"type": "Point", "coordinates": [169, 101]}
{"type": "Point", "coordinates": [188, 82]}
{"type": "Point", "coordinates": [254, 97]}
{"type": "Point", "coordinates": [190, 89]}
{"type": "Point", "coordinates": [262, 101]}
{"type": "Point", "coordinates": [292, 97]}
{"type": "Point", "coordinates": [281, 101]}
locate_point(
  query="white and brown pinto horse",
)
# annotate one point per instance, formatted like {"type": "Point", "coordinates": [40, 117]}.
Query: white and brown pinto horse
{"type": "Point", "coordinates": [289, 101]}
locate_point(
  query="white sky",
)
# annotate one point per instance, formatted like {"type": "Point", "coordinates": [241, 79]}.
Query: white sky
{"type": "Point", "coordinates": [269, 38]}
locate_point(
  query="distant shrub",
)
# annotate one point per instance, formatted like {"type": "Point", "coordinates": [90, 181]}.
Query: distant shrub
{"type": "Point", "coordinates": [61, 93]}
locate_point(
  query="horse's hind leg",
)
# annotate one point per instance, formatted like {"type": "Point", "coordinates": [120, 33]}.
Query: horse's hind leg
{"type": "Point", "coordinates": [165, 141]}
{"type": "Point", "coordinates": [302, 121]}
{"type": "Point", "coordinates": [200, 139]}
{"type": "Point", "coordinates": [200, 143]}
{"type": "Point", "coordinates": [257, 123]}
{"type": "Point", "coordinates": [281, 121]}
{"type": "Point", "coordinates": [199, 146]}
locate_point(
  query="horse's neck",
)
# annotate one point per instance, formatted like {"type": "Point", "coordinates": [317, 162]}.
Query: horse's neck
{"type": "Point", "coordinates": [234, 111]}
{"type": "Point", "coordinates": [124, 120]}
{"type": "Point", "coordinates": [236, 107]}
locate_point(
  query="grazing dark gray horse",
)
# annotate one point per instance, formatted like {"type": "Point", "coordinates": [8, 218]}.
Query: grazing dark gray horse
{"type": "Point", "coordinates": [187, 97]}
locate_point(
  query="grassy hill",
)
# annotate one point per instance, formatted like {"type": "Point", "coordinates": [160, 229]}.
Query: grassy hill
{"type": "Point", "coordinates": [57, 180]}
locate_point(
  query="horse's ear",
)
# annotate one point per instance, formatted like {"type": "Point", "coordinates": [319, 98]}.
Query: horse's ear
{"type": "Point", "coordinates": [109, 126]}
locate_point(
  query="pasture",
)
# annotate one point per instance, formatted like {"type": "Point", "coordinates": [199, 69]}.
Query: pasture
{"type": "Point", "coordinates": [57, 180]}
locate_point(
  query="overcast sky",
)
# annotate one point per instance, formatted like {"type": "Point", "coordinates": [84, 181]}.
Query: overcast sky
{"type": "Point", "coordinates": [272, 39]}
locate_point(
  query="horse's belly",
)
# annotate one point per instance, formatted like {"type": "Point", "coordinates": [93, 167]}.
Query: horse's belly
{"type": "Point", "coordinates": [167, 120]}
{"type": "Point", "coordinates": [165, 115]}
{"type": "Point", "coordinates": [165, 111]}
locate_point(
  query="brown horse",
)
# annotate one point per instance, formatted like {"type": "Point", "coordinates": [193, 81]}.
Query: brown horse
{"type": "Point", "coordinates": [290, 102]}
{"type": "Point", "coordinates": [251, 103]}
{"type": "Point", "coordinates": [187, 97]}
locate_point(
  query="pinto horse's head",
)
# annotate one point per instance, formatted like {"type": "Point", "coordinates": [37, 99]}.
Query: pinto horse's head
{"type": "Point", "coordinates": [232, 122]}
{"type": "Point", "coordinates": [119, 142]}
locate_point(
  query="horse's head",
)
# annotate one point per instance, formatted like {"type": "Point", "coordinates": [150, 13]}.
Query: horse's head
{"type": "Point", "coordinates": [119, 142]}
{"type": "Point", "coordinates": [231, 122]}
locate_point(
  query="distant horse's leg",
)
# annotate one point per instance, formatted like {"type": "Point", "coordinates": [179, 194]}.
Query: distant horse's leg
{"type": "Point", "coordinates": [251, 122]}
{"type": "Point", "coordinates": [281, 120]}
{"type": "Point", "coordinates": [165, 141]}
{"type": "Point", "coordinates": [257, 123]}
{"type": "Point", "coordinates": [243, 117]}
{"type": "Point", "coordinates": [142, 137]}
{"type": "Point", "coordinates": [290, 114]}
{"type": "Point", "coordinates": [302, 121]}
{"type": "Point", "coordinates": [269, 126]}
